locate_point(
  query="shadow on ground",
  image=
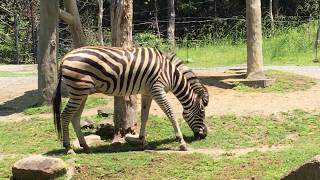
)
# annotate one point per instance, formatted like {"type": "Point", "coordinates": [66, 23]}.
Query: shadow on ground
{"type": "Point", "coordinates": [126, 147]}
{"type": "Point", "coordinates": [18, 104]}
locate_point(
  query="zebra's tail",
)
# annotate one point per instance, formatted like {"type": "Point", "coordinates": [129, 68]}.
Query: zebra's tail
{"type": "Point", "coordinates": [56, 103]}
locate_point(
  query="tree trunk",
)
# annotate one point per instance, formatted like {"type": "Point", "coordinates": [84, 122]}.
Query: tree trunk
{"type": "Point", "coordinates": [33, 32]}
{"type": "Point", "coordinates": [254, 40]}
{"type": "Point", "coordinates": [156, 23]}
{"type": "Point", "coordinates": [276, 8]}
{"type": "Point", "coordinates": [78, 37]}
{"type": "Point", "coordinates": [16, 32]}
{"type": "Point", "coordinates": [171, 23]}
{"type": "Point", "coordinates": [271, 16]}
{"type": "Point", "coordinates": [100, 17]}
{"type": "Point", "coordinates": [47, 52]}
{"type": "Point", "coordinates": [121, 30]}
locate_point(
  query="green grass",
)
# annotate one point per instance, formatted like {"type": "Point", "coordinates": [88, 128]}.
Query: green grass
{"type": "Point", "coordinates": [284, 82]}
{"type": "Point", "coordinates": [293, 46]}
{"type": "Point", "coordinates": [17, 73]}
{"type": "Point", "coordinates": [227, 132]}
{"type": "Point", "coordinates": [91, 102]}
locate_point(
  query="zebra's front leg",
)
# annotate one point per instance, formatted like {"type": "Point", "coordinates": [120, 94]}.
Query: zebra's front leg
{"type": "Point", "coordinates": [160, 96]}
{"type": "Point", "coordinates": [77, 128]}
{"type": "Point", "coordinates": [141, 139]}
{"type": "Point", "coordinates": [145, 108]}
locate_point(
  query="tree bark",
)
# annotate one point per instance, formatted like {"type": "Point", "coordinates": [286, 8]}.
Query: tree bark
{"type": "Point", "coordinates": [171, 23]}
{"type": "Point", "coordinates": [33, 32]}
{"type": "Point", "coordinates": [16, 32]}
{"type": "Point", "coordinates": [47, 52]}
{"type": "Point", "coordinates": [121, 30]}
{"type": "Point", "coordinates": [254, 40]}
{"type": "Point", "coordinates": [156, 23]}
{"type": "Point", "coordinates": [100, 17]}
{"type": "Point", "coordinates": [78, 37]}
{"type": "Point", "coordinates": [271, 16]}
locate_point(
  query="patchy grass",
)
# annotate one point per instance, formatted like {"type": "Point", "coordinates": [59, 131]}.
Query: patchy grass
{"type": "Point", "coordinates": [91, 102]}
{"type": "Point", "coordinates": [227, 132]}
{"type": "Point", "coordinates": [17, 73]}
{"type": "Point", "coordinates": [284, 82]}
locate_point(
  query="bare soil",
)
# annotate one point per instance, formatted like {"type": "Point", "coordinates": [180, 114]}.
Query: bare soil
{"type": "Point", "coordinates": [17, 93]}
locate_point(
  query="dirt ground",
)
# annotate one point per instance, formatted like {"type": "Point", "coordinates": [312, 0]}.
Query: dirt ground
{"type": "Point", "coordinates": [19, 92]}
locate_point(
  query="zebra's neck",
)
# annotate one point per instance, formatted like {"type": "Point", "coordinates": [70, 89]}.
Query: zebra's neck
{"type": "Point", "coordinates": [182, 89]}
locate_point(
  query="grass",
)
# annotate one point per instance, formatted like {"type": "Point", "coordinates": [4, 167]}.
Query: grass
{"type": "Point", "coordinates": [17, 73]}
{"type": "Point", "coordinates": [293, 46]}
{"type": "Point", "coordinates": [37, 136]}
{"type": "Point", "coordinates": [284, 82]}
{"type": "Point", "coordinates": [91, 102]}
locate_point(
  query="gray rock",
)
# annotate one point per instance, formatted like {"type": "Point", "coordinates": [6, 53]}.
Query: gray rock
{"type": "Point", "coordinates": [92, 140]}
{"type": "Point", "coordinates": [310, 170]}
{"type": "Point", "coordinates": [86, 124]}
{"type": "Point", "coordinates": [38, 167]}
{"type": "Point", "coordinates": [105, 129]}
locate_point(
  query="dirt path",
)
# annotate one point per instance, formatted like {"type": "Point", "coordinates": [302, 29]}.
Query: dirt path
{"type": "Point", "coordinates": [19, 92]}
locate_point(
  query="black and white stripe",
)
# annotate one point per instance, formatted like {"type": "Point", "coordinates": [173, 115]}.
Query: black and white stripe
{"type": "Point", "coordinates": [121, 72]}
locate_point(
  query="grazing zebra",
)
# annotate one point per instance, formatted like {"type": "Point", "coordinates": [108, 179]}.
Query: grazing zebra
{"type": "Point", "coordinates": [121, 72]}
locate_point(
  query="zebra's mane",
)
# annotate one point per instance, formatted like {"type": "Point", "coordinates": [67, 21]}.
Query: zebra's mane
{"type": "Point", "coordinates": [194, 81]}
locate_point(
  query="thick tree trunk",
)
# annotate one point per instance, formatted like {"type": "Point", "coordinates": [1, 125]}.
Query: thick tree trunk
{"type": "Point", "coordinates": [254, 40]}
{"type": "Point", "coordinates": [121, 30]}
{"type": "Point", "coordinates": [100, 17]}
{"type": "Point", "coordinates": [171, 23]}
{"type": "Point", "coordinates": [78, 37]}
{"type": "Point", "coordinates": [47, 52]}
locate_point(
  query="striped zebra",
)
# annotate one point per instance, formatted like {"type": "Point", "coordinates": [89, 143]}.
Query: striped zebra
{"type": "Point", "coordinates": [121, 72]}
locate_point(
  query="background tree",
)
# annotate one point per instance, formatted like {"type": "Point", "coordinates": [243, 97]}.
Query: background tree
{"type": "Point", "coordinates": [171, 22]}
{"type": "Point", "coordinates": [100, 18]}
{"type": "Point", "coordinates": [121, 30]}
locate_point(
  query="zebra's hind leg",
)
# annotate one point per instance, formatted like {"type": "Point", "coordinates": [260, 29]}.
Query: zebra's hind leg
{"type": "Point", "coordinates": [67, 114]}
{"type": "Point", "coordinates": [77, 128]}
{"type": "Point", "coordinates": [160, 96]}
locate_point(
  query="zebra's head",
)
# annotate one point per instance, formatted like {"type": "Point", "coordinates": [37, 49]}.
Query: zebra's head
{"type": "Point", "coordinates": [195, 115]}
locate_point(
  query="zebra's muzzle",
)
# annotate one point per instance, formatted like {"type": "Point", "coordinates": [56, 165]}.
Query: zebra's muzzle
{"type": "Point", "coordinates": [201, 133]}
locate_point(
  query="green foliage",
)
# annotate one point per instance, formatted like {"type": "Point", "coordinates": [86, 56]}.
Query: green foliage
{"type": "Point", "coordinates": [284, 82]}
{"type": "Point", "coordinates": [150, 40]}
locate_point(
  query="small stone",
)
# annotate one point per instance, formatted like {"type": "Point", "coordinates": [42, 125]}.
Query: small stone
{"type": "Point", "coordinates": [102, 113]}
{"type": "Point", "coordinates": [310, 170]}
{"type": "Point", "coordinates": [38, 167]}
{"type": "Point", "coordinates": [86, 124]}
{"type": "Point", "coordinates": [92, 140]}
{"type": "Point", "coordinates": [105, 129]}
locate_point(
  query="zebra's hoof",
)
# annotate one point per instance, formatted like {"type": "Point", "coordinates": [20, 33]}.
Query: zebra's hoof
{"type": "Point", "coordinates": [183, 147]}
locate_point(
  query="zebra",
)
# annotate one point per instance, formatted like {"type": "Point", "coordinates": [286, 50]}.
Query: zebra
{"type": "Point", "coordinates": [128, 71]}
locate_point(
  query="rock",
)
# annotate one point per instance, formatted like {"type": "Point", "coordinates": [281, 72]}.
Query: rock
{"type": "Point", "coordinates": [86, 124]}
{"type": "Point", "coordinates": [310, 170]}
{"type": "Point", "coordinates": [92, 140]}
{"type": "Point", "coordinates": [38, 167]}
{"type": "Point", "coordinates": [105, 129]}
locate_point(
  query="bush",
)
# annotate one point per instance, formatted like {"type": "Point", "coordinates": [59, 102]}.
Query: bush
{"type": "Point", "coordinates": [151, 40]}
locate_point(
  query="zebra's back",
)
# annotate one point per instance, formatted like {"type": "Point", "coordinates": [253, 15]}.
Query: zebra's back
{"type": "Point", "coordinates": [113, 71]}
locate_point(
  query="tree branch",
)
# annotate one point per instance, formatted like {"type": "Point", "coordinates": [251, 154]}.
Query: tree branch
{"type": "Point", "coordinates": [67, 17]}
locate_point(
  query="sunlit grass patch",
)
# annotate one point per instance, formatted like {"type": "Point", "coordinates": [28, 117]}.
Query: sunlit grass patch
{"type": "Point", "coordinates": [284, 82]}
{"type": "Point", "coordinates": [17, 73]}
